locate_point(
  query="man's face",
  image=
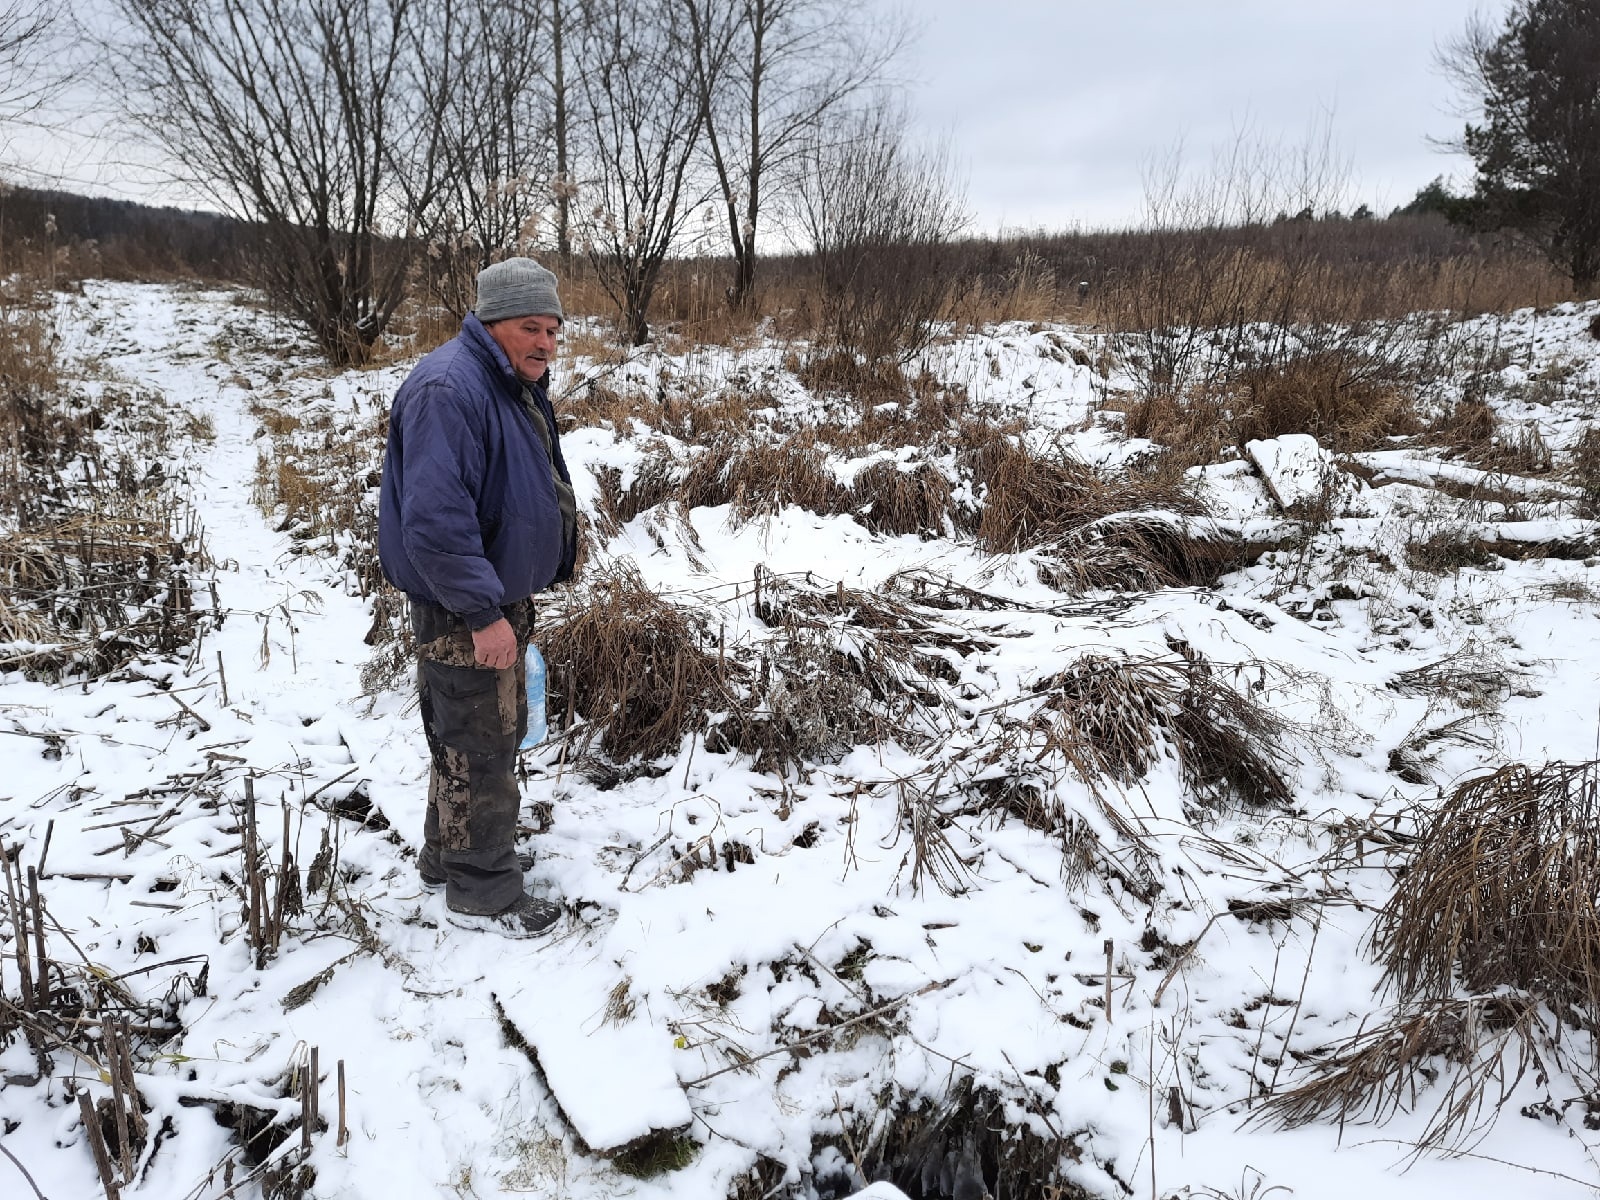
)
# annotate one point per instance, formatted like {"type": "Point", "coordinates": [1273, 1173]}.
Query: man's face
{"type": "Point", "coordinates": [529, 342]}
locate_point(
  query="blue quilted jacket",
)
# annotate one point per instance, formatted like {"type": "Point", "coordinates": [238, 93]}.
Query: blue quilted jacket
{"type": "Point", "coordinates": [467, 515]}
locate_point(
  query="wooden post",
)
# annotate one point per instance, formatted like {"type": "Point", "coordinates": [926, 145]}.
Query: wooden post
{"type": "Point", "coordinates": [119, 1100]}
{"type": "Point", "coordinates": [1108, 980]}
{"type": "Point", "coordinates": [252, 884]}
{"type": "Point", "coordinates": [141, 1128]}
{"type": "Point", "coordinates": [42, 974]}
{"type": "Point", "coordinates": [312, 1083]}
{"type": "Point", "coordinates": [97, 1144]}
{"type": "Point", "coordinates": [49, 832]}
{"type": "Point", "coordinates": [344, 1129]}
{"type": "Point", "coordinates": [305, 1113]}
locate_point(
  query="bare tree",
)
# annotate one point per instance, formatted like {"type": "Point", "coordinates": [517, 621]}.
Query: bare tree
{"type": "Point", "coordinates": [767, 74]}
{"type": "Point", "coordinates": [26, 80]}
{"type": "Point", "coordinates": [285, 112]}
{"type": "Point", "coordinates": [561, 186]}
{"type": "Point", "coordinates": [641, 123]}
{"type": "Point", "coordinates": [476, 176]}
{"type": "Point", "coordinates": [880, 214]}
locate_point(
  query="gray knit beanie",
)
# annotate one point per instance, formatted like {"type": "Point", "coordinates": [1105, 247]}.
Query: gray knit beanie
{"type": "Point", "coordinates": [518, 287]}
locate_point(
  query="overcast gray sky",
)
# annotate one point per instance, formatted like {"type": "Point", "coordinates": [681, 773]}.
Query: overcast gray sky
{"type": "Point", "coordinates": [1055, 107]}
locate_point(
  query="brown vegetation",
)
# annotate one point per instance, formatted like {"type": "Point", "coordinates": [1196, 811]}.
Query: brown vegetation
{"type": "Point", "coordinates": [95, 560]}
{"type": "Point", "coordinates": [1503, 890]}
{"type": "Point", "coordinates": [1114, 718]}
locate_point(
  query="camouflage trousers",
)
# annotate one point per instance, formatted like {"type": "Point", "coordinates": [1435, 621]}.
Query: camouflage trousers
{"type": "Point", "coordinates": [473, 717]}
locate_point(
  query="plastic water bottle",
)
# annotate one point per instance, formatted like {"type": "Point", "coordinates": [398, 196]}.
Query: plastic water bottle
{"type": "Point", "coordinates": [536, 723]}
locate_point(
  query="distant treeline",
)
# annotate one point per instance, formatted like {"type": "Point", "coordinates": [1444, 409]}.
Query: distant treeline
{"type": "Point", "coordinates": [1415, 258]}
{"type": "Point", "coordinates": [92, 236]}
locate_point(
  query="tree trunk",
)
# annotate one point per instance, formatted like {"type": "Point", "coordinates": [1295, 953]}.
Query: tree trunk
{"type": "Point", "coordinates": [563, 188]}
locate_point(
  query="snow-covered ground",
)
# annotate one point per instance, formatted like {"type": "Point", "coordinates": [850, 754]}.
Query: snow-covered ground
{"type": "Point", "coordinates": [716, 914]}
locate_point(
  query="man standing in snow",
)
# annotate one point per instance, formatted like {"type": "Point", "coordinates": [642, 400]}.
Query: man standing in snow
{"type": "Point", "coordinates": [476, 515]}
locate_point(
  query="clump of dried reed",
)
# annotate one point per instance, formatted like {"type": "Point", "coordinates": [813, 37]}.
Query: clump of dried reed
{"type": "Point", "coordinates": [842, 668]}
{"type": "Point", "coordinates": [1481, 1048]}
{"type": "Point", "coordinates": [640, 671]}
{"type": "Point", "coordinates": [755, 478]}
{"type": "Point", "coordinates": [811, 700]}
{"type": "Point", "coordinates": [1036, 498]}
{"type": "Point", "coordinates": [1503, 890]}
{"type": "Point", "coordinates": [1098, 532]}
{"type": "Point", "coordinates": [1446, 551]}
{"type": "Point", "coordinates": [95, 566]}
{"type": "Point", "coordinates": [896, 500]}
{"type": "Point", "coordinates": [688, 415]}
{"type": "Point", "coordinates": [1346, 399]}
{"type": "Point", "coordinates": [1115, 717]}
{"type": "Point", "coordinates": [1500, 900]}
{"type": "Point", "coordinates": [1144, 551]}
{"type": "Point", "coordinates": [841, 372]}
{"type": "Point", "coordinates": [319, 478]}
{"type": "Point", "coordinates": [1472, 678]}
{"type": "Point", "coordinates": [1583, 465]}
{"type": "Point", "coordinates": [967, 1141]}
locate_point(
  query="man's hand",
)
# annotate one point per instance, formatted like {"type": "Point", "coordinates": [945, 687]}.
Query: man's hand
{"type": "Point", "coordinates": [495, 645]}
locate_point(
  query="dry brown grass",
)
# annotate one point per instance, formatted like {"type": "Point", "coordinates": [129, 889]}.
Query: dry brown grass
{"type": "Point", "coordinates": [1343, 399]}
{"type": "Point", "coordinates": [1468, 428]}
{"type": "Point", "coordinates": [835, 371]}
{"type": "Point", "coordinates": [1583, 465]}
{"type": "Point", "coordinates": [755, 479]}
{"type": "Point", "coordinates": [1472, 678]}
{"type": "Point", "coordinates": [318, 478]}
{"type": "Point", "coordinates": [974, 1137]}
{"type": "Point", "coordinates": [698, 420]}
{"type": "Point", "coordinates": [895, 500]}
{"type": "Point", "coordinates": [1034, 499]}
{"type": "Point", "coordinates": [842, 668]}
{"type": "Point", "coordinates": [1503, 890]}
{"type": "Point", "coordinates": [1145, 551]}
{"type": "Point", "coordinates": [1385, 1070]}
{"type": "Point", "coordinates": [96, 550]}
{"type": "Point", "coordinates": [640, 671]}
{"type": "Point", "coordinates": [1193, 428]}
{"type": "Point", "coordinates": [1114, 718]}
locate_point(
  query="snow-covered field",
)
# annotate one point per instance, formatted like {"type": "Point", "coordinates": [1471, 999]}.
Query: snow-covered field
{"type": "Point", "coordinates": [763, 960]}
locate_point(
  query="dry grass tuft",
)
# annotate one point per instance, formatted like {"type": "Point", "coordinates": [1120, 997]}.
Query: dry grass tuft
{"type": "Point", "coordinates": [1583, 468]}
{"type": "Point", "coordinates": [1382, 1071]}
{"type": "Point", "coordinates": [1472, 678]}
{"type": "Point", "coordinates": [639, 670]}
{"type": "Point", "coordinates": [1344, 399]}
{"type": "Point", "coordinates": [895, 500]}
{"type": "Point", "coordinates": [837, 372]}
{"type": "Point", "coordinates": [842, 668]}
{"type": "Point", "coordinates": [973, 1137]}
{"type": "Point", "coordinates": [95, 561]}
{"type": "Point", "coordinates": [1468, 428]}
{"type": "Point", "coordinates": [1503, 890]}
{"type": "Point", "coordinates": [699, 420]}
{"type": "Point", "coordinates": [1115, 718]}
{"type": "Point", "coordinates": [756, 480]}
{"type": "Point", "coordinates": [1447, 551]}
{"type": "Point", "coordinates": [1036, 499]}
